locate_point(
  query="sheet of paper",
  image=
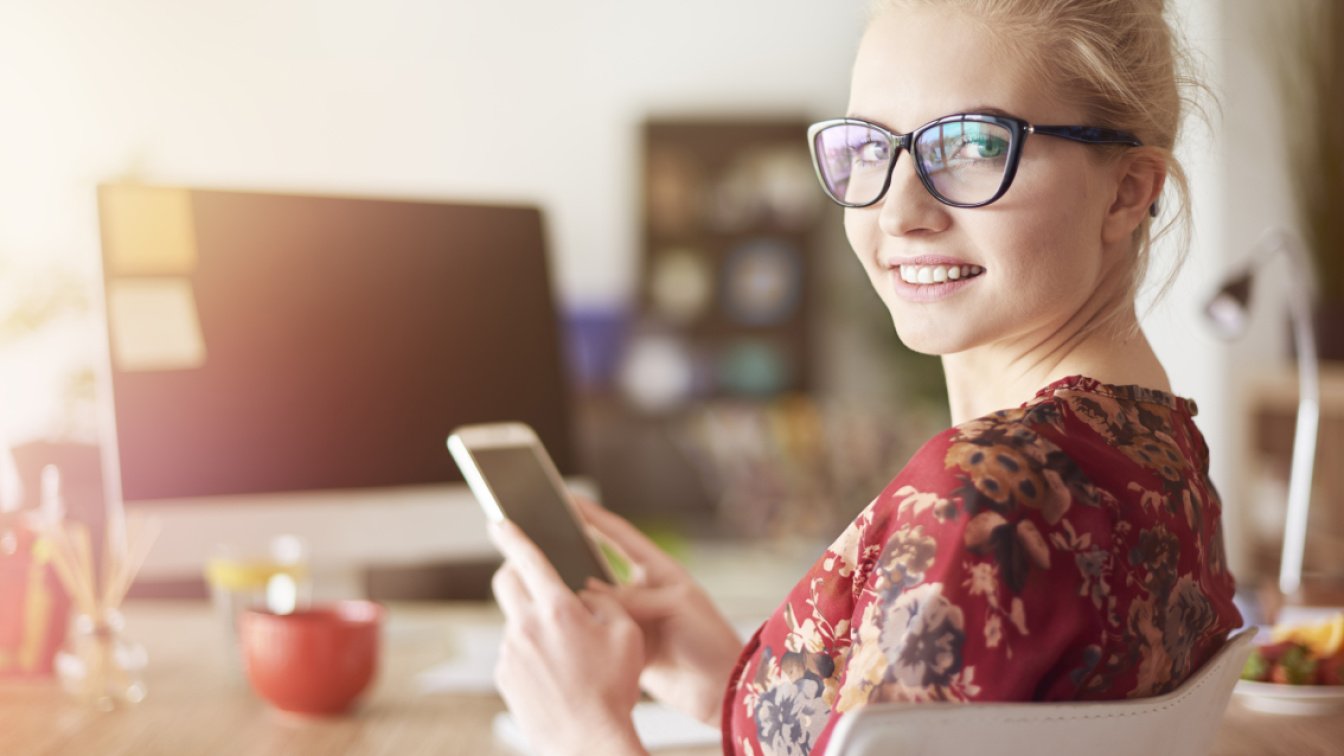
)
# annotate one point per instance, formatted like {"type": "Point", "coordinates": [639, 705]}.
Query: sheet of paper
{"type": "Point", "coordinates": [148, 231]}
{"type": "Point", "coordinates": [472, 666]}
{"type": "Point", "coordinates": [154, 324]}
{"type": "Point", "coordinates": [471, 669]}
{"type": "Point", "coordinates": [658, 727]}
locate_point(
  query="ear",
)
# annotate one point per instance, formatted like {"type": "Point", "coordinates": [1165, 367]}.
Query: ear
{"type": "Point", "coordinates": [1140, 175]}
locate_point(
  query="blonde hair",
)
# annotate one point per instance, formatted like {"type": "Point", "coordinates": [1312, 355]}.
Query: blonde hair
{"type": "Point", "coordinates": [1125, 66]}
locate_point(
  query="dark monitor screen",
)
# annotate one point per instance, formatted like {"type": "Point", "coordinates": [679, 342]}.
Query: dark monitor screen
{"type": "Point", "coordinates": [270, 343]}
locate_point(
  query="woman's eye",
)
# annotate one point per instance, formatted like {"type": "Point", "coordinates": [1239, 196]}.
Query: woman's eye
{"type": "Point", "coordinates": [991, 147]}
{"type": "Point", "coordinates": [872, 152]}
{"type": "Point", "coordinates": [982, 148]}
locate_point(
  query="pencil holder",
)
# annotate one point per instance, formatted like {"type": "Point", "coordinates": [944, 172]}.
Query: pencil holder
{"type": "Point", "coordinates": [98, 665]}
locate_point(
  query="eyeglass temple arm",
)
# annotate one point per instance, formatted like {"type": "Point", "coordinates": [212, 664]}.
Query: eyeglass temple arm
{"type": "Point", "coordinates": [1088, 134]}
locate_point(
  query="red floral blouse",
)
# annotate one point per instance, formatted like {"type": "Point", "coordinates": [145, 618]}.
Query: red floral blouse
{"type": "Point", "coordinates": [1068, 549]}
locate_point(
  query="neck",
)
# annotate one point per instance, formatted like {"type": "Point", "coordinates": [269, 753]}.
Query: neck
{"type": "Point", "coordinates": [1004, 375]}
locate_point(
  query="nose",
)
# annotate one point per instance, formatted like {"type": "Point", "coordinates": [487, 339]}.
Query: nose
{"type": "Point", "coordinates": [908, 207]}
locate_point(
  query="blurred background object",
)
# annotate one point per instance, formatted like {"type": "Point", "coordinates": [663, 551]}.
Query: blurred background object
{"type": "Point", "coordinates": [33, 605]}
{"type": "Point", "coordinates": [268, 571]}
{"type": "Point", "coordinates": [731, 236]}
{"type": "Point", "coordinates": [1310, 65]}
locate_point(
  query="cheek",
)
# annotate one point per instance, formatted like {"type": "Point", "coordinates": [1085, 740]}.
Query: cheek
{"type": "Point", "coordinates": [1051, 236]}
{"type": "Point", "coordinates": [863, 233]}
{"type": "Point", "coordinates": [1070, 206]}
{"type": "Point", "coordinates": [1049, 276]}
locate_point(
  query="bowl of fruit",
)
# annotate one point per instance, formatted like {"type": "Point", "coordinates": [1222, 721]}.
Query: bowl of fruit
{"type": "Point", "coordinates": [1299, 671]}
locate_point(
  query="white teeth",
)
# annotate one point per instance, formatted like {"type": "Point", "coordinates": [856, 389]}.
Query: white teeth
{"type": "Point", "coordinates": [931, 274]}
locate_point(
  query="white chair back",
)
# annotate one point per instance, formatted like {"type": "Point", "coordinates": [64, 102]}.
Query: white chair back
{"type": "Point", "coordinates": [1180, 723]}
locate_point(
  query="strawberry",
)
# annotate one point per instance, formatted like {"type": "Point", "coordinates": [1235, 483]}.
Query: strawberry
{"type": "Point", "coordinates": [1295, 667]}
{"type": "Point", "coordinates": [1330, 670]}
{"type": "Point", "coordinates": [1271, 652]}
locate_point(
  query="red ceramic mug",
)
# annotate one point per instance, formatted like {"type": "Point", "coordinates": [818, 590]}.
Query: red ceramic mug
{"type": "Point", "coordinates": [314, 661]}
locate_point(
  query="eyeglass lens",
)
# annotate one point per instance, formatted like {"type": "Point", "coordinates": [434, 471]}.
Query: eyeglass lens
{"type": "Point", "coordinates": [963, 161]}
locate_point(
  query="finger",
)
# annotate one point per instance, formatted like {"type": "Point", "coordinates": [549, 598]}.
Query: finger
{"type": "Point", "coordinates": [626, 538]}
{"type": "Point", "coordinates": [641, 603]}
{"type": "Point", "coordinates": [604, 607]}
{"type": "Point", "coordinates": [510, 592]}
{"type": "Point", "coordinates": [534, 570]}
{"type": "Point", "coordinates": [650, 604]}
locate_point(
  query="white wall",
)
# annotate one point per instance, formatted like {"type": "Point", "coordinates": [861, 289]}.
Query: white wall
{"type": "Point", "coordinates": [522, 100]}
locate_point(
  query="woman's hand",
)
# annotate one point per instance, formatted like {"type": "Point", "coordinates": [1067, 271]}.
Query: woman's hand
{"type": "Point", "coordinates": [569, 664]}
{"type": "Point", "coordinates": [690, 649]}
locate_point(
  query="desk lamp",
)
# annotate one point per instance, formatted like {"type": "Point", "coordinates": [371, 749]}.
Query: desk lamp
{"type": "Point", "coordinates": [1228, 310]}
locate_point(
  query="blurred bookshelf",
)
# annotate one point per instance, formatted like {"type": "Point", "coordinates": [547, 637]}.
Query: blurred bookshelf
{"type": "Point", "coordinates": [730, 224]}
{"type": "Point", "coordinates": [723, 314]}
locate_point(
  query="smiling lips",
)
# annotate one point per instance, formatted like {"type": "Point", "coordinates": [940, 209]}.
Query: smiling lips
{"type": "Point", "coordinates": [931, 280]}
{"type": "Point", "coordinates": [936, 274]}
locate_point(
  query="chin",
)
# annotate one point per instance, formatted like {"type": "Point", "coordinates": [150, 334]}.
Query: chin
{"type": "Point", "coordinates": [933, 340]}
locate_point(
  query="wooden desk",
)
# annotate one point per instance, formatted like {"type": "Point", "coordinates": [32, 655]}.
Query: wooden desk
{"type": "Point", "coordinates": [197, 706]}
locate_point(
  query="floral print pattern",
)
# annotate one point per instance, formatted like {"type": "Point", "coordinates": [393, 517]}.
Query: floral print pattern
{"type": "Point", "coordinates": [1070, 548]}
{"type": "Point", "coordinates": [790, 714]}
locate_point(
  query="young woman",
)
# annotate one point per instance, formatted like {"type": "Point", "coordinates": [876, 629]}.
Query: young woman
{"type": "Point", "coordinates": [1001, 164]}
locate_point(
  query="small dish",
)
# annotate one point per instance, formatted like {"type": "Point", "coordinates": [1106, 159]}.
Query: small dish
{"type": "Point", "coordinates": [1273, 698]}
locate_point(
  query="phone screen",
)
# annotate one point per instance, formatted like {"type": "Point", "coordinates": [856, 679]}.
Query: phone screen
{"type": "Point", "coordinates": [527, 496]}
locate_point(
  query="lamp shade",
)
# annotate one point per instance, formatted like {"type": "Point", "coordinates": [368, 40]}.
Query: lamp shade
{"type": "Point", "coordinates": [1228, 309]}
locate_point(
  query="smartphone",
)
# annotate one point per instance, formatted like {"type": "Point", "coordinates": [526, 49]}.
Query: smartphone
{"type": "Point", "coordinates": [512, 476]}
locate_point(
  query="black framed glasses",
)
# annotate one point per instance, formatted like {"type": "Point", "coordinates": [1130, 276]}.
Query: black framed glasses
{"type": "Point", "coordinates": [964, 160]}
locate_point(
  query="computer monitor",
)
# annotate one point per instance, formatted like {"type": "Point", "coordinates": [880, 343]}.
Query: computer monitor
{"type": "Point", "coordinates": [286, 363]}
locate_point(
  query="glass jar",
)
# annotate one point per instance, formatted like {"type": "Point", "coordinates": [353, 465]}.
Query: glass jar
{"type": "Point", "coordinates": [99, 665]}
{"type": "Point", "coordinates": [273, 577]}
